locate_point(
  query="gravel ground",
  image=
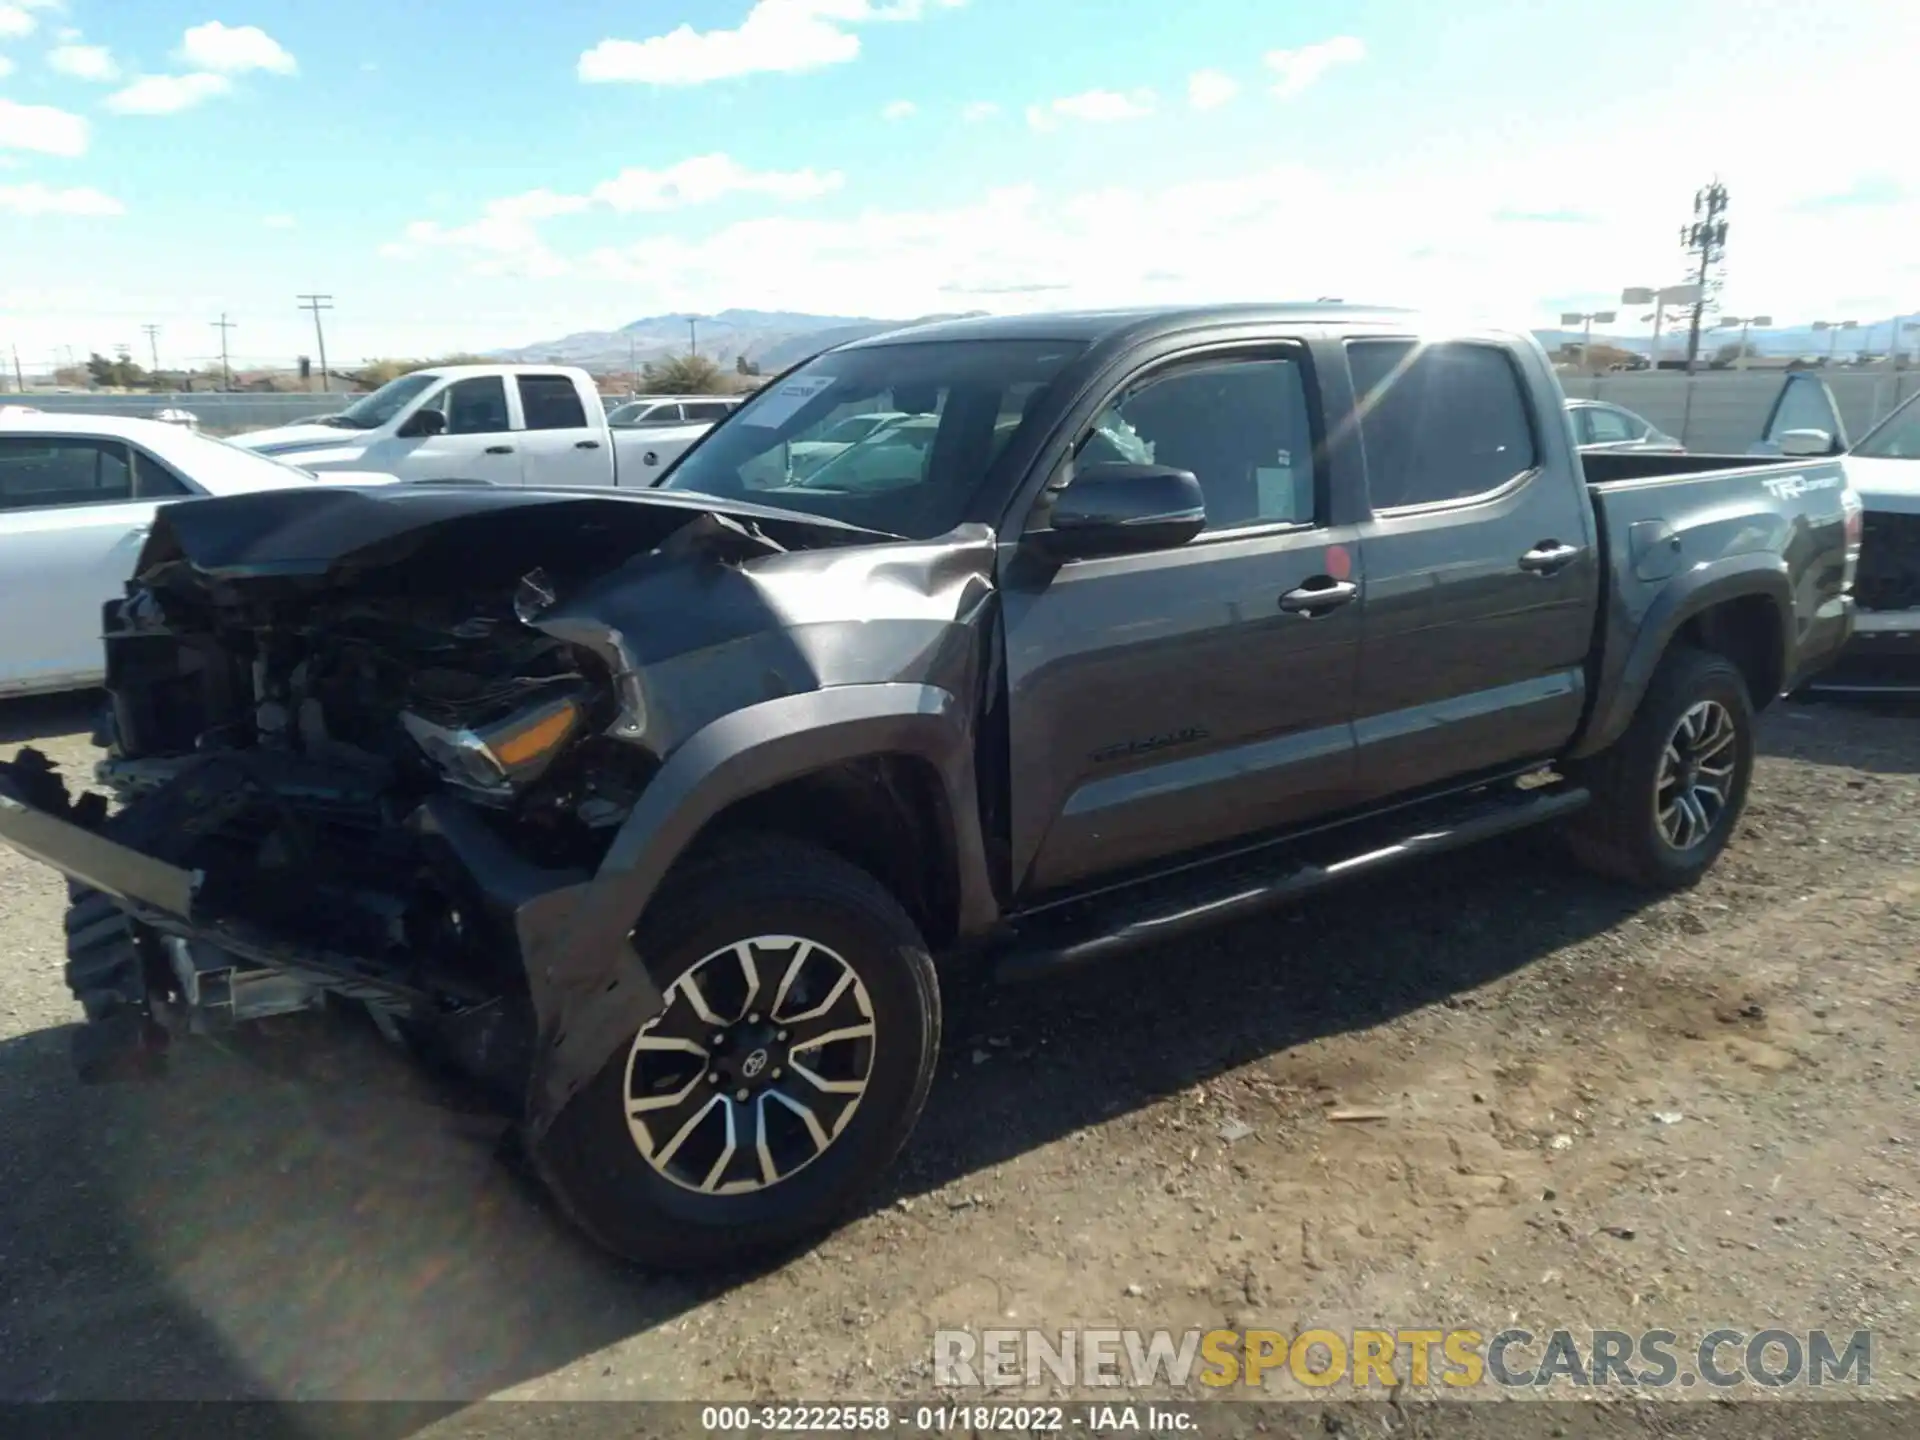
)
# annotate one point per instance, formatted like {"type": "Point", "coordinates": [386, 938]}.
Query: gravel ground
{"type": "Point", "coordinates": [1593, 1112]}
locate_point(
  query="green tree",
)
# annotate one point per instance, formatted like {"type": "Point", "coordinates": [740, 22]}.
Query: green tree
{"type": "Point", "coordinates": [376, 373]}
{"type": "Point", "coordinates": [683, 375]}
{"type": "Point", "coordinates": [120, 373]}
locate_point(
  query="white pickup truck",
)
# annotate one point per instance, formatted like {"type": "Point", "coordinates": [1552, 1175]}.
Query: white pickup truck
{"type": "Point", "coordinates": [539, 425]}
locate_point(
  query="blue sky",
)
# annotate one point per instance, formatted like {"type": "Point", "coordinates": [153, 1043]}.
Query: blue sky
{"type": "Point", "coordinates": [490, 173]}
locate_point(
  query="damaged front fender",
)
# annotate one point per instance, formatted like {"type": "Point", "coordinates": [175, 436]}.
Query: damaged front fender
{"type": "Point", "coordinates": [591, 988]}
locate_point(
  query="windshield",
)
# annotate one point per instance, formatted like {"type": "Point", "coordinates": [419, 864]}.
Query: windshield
{"type": "Point", "coordinates": [370, 412]}
{"type": "Point", "coordinates": [1895, 438]}
{"type": "Point", "coordinates": [952, 407]}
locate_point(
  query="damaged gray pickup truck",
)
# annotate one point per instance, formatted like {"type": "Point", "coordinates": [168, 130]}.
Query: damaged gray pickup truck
{"type": "Point", "coordinates": [651, 810]}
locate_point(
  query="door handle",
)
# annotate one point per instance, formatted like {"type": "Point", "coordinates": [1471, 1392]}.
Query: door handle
{"type": "Point", "coordinates": [499, 449]}
{"type": "Point", "coordinates": [1317, 596]}
{"type": "Point", "coordinates": [1549, 556]}
{"type": "Point", "coordinates": [586, 444]}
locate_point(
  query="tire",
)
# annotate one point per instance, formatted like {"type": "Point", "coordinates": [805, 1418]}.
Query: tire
{"type": "Point", "coordinates": [669, 1212]}
{"type": "Point", "coordinates": [104, 969]}
{"type": "Point", "coordinates": [1622, 834]}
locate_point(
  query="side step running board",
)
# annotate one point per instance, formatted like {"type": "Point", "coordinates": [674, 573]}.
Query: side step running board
{"type": "Point", "coordinates": [1161, 910]}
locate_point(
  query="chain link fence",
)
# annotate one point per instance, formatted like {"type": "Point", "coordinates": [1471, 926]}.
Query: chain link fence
{"type": "Point", "coordinates": [1716, 411]}
{"type": "Point", "coordinates": [1723, 411]}
{"type": "Point", "coordinates": [219, 412]}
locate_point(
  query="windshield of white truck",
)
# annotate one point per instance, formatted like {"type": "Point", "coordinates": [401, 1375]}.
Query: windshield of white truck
{"type": "Point", "coordinates": [370, 412]}
{"type": "Point", "coordinates": [953, 407]}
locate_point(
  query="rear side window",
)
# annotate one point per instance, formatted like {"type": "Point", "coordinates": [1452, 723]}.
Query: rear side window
{"type": "Point", "coordinates": [1438, 422]}
{"type": "Point", "coordinates": [705, 410]}
{"type": "Point", "coordinates": [551, 402]}
{"type": "Point", "coordinates": [154, 481]}
{"type": "Point", "coordinates": [45, 472]}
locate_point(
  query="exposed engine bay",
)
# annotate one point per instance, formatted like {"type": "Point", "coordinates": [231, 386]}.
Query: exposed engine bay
{"type": "Point", "coordinates": [299, 758]}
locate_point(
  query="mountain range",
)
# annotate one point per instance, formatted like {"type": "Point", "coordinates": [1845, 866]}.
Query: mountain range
{"type": "Point", "coordinates": [770, 339]}
{"type": "Point", "coordinates": [775, 339]}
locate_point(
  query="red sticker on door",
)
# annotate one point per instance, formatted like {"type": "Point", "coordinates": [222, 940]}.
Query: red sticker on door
{"type": "Point", "coordinates": [1339, 562]}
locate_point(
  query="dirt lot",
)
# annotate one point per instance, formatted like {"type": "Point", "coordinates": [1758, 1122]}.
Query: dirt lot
{"type": "Point", "coordinates": [1598, 1113]}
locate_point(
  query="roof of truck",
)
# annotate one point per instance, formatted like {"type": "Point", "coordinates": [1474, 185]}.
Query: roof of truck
{"type": "Point", "coordinates": [1096, 325]}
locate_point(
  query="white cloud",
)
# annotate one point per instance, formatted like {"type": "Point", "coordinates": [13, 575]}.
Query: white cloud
{"type": "Point", "coordinates": [974, 111]}
{"type": "Point", "coordinates": [1094, 106]}
{"type": "Point", "coordinates": [1298, 69]}
{"type": "Point", "coordinates": [899, 110]}
{"type": "Point", "coordinates": [167, 94]}
{"type": "Point", "coordinates": [775, 36]}
{"type": "Point", "coordinates": [14, 22]}
{"type": "Point", "coordinates": [506, 240]}
{"type": "Point", "coordinates": [1210, 89]}
{"type": "Point", "coordinates": [278, 222]}
{"type": "Point", "coordinates": [234, 50]}
{"type": "Point", "coordinates": [707, 178]}
{"type": "Point", "coordinates": [84, 62]}
{"type": "Point", "coordinates": [6, 67]}
{"type": "Point", "coordinates": [34, 198]}
{"type": "Point", "coordinates": [41, 128]}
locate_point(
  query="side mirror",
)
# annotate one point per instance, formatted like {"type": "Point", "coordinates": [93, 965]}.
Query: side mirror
{"type": "Point", "coordinates": [422, 424]}
{"type": "Point", "coordinates": [1806, 443]}
{"type": "Point", "coordinates": [1118, 508]}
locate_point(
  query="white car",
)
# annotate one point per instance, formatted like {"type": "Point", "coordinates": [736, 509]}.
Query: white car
{"type": "Point", "coordinates": [78, 494]}
{"type": "Point", "coordinates": [806, 456]}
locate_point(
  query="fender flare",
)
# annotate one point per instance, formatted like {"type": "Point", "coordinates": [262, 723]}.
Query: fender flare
{"type": "Point", "coordinates": [591, 990]}
{"type": "Point", "coordinates": [1684, 597]}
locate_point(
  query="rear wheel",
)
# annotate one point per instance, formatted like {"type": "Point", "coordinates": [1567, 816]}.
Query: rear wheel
{"type": "Point", "coordinates": [790, 1061]}
{"type": "Point", "coordinates": [1669, 792]}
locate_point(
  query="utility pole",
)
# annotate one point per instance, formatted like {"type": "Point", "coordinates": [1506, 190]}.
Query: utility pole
{"type": "Point", "coordinates": [633, 366]}
{"type": "Point", "coordinates": [153, 345]}
{"type": "Point", "coordinates": [19, 380]}
{"type": "Point", "coordinates": [693, 334]}
{"type": "Point", "coordinates": [317, 303]}
{"type": "Point", "coordinates": [223, 325]}
{"type": "Point", "coordinates": [1705, 237]}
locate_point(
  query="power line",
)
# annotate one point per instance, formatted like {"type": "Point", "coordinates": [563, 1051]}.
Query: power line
{"type": "Point", "coordinates": [317, 303]}
{"type": "Point", "coordinates": [223, 325]}
{"type": "Point", "coordinates": [153, 345]}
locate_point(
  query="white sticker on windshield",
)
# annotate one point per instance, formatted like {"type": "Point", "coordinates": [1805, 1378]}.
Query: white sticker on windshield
{"type": "Point", "coordinates": [786, 400]}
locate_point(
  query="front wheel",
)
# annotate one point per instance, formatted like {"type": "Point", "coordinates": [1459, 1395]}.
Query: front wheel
{"type": "Point", "coordinates": [787, 1067]}
{"type": "Point", "coordinates": [1668, 793]}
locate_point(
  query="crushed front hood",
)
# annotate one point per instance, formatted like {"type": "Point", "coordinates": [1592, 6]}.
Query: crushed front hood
{"type": "Point", "coordinates": [335, 530]}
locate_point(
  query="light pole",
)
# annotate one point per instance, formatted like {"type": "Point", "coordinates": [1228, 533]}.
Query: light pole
{"type": "Point", "coordinates": [1833, 329]}
{"type": "Point", "coordinates": [1743, 321]}
{"type": "Point", "coordinates": [1660, 299]}
{"type": "Point", "coordinates": [1605, 317]}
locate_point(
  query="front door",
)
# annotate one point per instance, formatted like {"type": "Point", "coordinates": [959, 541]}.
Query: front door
{"type": "Point", "coordinates": [1167, 701]}
{"type": "Point", "coordinates": [478, 443]}
{"type": "Point", "coordinates": [1482, 573]}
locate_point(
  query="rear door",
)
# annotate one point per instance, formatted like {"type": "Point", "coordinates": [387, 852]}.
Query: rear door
{"type": "Point", "coordinates": [1481, 568]}
{"type": "Point", "coordinates": [561, 443]}
{"type": "Point", "coordinates": [74, 511]}
{"type": "Point", "coordinates": [1167, 701]}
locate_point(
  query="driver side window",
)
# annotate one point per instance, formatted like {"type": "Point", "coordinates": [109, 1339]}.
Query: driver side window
{"type": "Point", "coordinates": [473, 407]}
{"type": "Point", "coordinates": [1240, 426]}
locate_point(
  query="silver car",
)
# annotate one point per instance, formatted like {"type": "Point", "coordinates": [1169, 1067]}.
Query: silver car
{"type": "Point", "coordinates": [1600, 426]}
